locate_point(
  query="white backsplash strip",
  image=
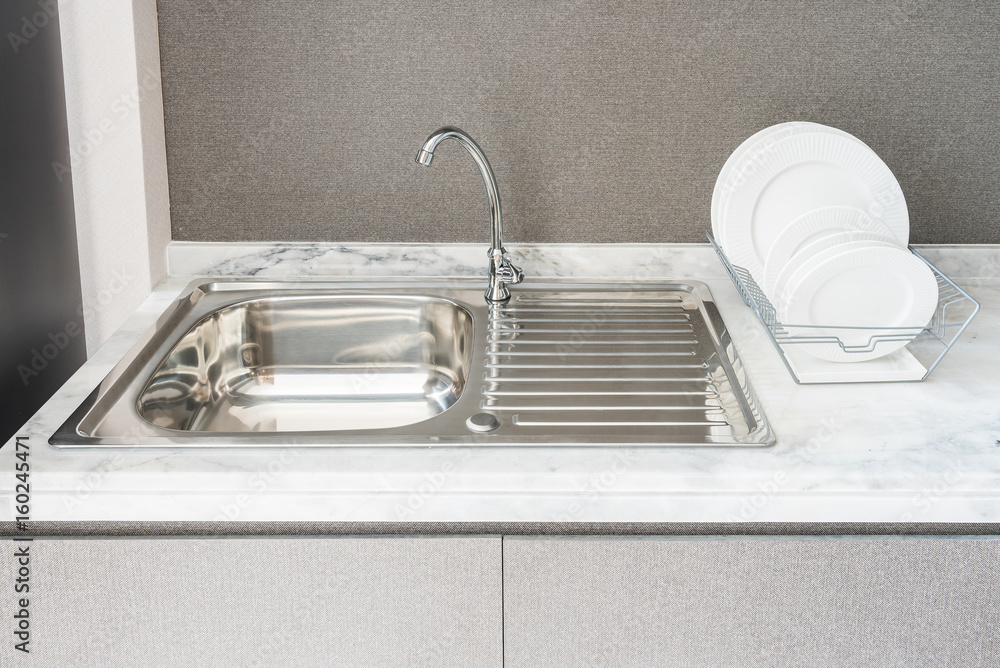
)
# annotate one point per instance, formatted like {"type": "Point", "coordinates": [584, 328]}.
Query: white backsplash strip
{"type": "Point", "coordinates": [621, 261]}
{"type": "Point", "coordinates": [963, 261]}
{"type": "Point", "coordinates": [626, 261]}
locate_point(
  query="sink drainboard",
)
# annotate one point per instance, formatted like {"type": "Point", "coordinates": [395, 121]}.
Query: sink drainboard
{"type": "Point", "coordinates": [638, 364]}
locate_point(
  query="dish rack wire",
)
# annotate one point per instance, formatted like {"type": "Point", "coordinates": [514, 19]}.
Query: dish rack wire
{"type": "Point", "coordinates": [928, 345]}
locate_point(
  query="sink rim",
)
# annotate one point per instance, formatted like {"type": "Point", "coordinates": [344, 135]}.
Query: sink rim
{"type": "Point", "coordinates": [209, 294]}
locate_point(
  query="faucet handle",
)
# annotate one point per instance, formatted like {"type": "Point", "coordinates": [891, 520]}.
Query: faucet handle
{"type": "Point", "coordinates": [502, 268]}
{"type": "Point", "coordinates": [510, 273]}
{"type": "Point", "coordinates": [502, 274]}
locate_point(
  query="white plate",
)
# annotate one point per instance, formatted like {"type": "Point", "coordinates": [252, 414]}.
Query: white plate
{"type": "Point", "coordinates": [801, 173]}
{"type": "Point", "coordinates": [742, 161]}
{"type": "Point", "coordinates": [816, 225]}
{"type": "Point", "coordinates": [861, 288]}
{"type": "Point", "coordinates": [808, 253]}
{"type": "Point", "coordinates": [805, 260]}
{"type": "Point", "coordinates": [727, 176]}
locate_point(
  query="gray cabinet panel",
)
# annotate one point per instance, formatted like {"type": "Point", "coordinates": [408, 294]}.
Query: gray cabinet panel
{"type": "Point", "coordinates": [751, 602]}
{"type": "Point", "coordinates": [260, 602]}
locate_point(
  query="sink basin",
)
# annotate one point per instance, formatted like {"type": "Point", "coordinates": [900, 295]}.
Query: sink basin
{"type": "Point", "coordinates": [313, 364]}
{"type": "Point", "coordinates": [429, 363]}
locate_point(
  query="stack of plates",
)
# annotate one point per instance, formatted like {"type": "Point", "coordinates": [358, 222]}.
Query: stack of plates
{"type": "Point", "coordinates": [820, 223]}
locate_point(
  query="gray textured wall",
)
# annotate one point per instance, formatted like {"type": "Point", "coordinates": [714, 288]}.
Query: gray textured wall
{"type": "Point", "coordinates": [298, 120]}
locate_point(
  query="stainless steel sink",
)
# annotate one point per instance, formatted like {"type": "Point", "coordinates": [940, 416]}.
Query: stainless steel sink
{"type": "Point", "coordinates": [238, 363]}
{"type": "Point", "coordinates": [313, 363]}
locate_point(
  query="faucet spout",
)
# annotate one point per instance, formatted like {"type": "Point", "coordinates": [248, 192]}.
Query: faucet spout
{"type": "Point", "coordinates": [502, 272]}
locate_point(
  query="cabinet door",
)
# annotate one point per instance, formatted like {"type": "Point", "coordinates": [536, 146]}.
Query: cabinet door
{"type": "Point", "coordinates": [379, 601]}
{"type": "Point", "coordinates": [751, 602]}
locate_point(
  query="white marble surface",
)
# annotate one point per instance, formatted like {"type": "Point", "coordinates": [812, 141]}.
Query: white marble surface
{"type": "Point", "coordinates": [917, 452]}
{"type": "Point", "coordinates": [636, 261]}
{"type": "Point", "coordinates": [653, 261]}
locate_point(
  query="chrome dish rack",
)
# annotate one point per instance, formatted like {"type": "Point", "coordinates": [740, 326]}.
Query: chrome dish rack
{"type": "Point", "coordinates": [926, 348]}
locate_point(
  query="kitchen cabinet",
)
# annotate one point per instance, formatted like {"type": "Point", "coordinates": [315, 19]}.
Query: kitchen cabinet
{"type": "Point", "coordinates": [557, 601]}
{"type": "Point", "coordinates": [751, 602]}
{"type": "Point", "coordinates": [246, 602]}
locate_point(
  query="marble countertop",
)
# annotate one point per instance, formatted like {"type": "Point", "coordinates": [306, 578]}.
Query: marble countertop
{"type": "Point", "coordinates": [911, 452]}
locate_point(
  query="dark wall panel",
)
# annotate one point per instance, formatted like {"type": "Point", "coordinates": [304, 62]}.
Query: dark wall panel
{"type": "Point", "coordinates": [605, 121]}
{"type": "Point", "coordinates": [41, 320]}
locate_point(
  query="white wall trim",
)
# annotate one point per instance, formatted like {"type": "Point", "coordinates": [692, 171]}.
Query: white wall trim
{"type": "Point", "coordinates": [113, 107]}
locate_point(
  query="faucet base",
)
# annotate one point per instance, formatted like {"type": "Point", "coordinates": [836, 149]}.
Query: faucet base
{"type": "Point", "coordinates": [497, 295]}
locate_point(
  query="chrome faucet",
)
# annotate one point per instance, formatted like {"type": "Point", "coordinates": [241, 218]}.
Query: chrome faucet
{"type": "Point", "coordinates": [502, 272]}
